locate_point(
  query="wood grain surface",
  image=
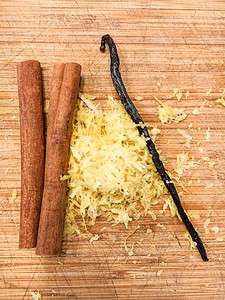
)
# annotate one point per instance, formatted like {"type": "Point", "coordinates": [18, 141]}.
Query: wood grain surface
{"type": "Point", "coordinates": [163, 45]}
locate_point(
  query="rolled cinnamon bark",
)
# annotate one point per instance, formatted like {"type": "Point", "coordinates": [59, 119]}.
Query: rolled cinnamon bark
{"type": "Point", "coordinates": [65, 87]}
{"type": "Point", "coordinates": [32, 150]}
{"type": "Point", "coordinates": [56, 83]}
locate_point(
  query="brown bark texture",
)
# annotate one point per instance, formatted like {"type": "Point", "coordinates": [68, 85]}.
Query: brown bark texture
{"type": "Point", "coordinates": [64, 92]}
{"type": "Point", "coordinates": [32, 149]}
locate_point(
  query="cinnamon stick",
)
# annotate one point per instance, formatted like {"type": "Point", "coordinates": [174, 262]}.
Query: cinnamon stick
{"type": "Point", "coordinates": [32, 150]}
{"type": "Point", "coordinates": [65, 86]}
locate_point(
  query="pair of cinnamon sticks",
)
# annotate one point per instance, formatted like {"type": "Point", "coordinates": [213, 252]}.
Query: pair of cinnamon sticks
{"type": "Point", "coordinates": [42, 164]}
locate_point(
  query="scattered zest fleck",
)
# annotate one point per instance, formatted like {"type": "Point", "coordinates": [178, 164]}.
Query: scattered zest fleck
{"type": "Point", "coordinates": [187, 94]}
{"type": "Point", "coordinates": [211, 164]}
{"type": "Point", "coordinates": [200, 149]}
{"type": "Point", "coordinates": [215, 229]}
{"type": "Point", "coordinates": [207, 135]}
{"type": "Point", "coordinates": [187, 136]}
{"type": "Point", "coordinates": [220, 239]}
{"type": "Point", "coordinates": [208, 93]}
{"type": "Point", "coordinates": [36, 295]}
{"type": "Point", "coordinates": [173, 210]}
{"type": "Point", "coordinates": [184, 163]}
{"type": "Point", "coordinates": [197, 111]}
{"type": "Point", "coordinates": [154, 132]}
{"type": "Point", "coordinates": [221, 101]}
{"type": "Point", "coordinates": [13, 196]}
{"type": "Point", "coordinates": [192, 244]}
{"type": "Point", "coordinates": [177, 93]}
{"type": "Point", "coordinates": [159, 273]}
{"type": "Point", "coordinates": [168, 114]}
{"type": "Point", "coordinates": [130, 251]}
{"type": "Point", "coordinates": [161, 226]}
{"type": "Point", "coordinates": [152, 214]}
{"type": "Point", "coordinates": [209, 185]}
{"type": "Point", "coordinates": [206, 224]}
{"type": "Point", "coordinates": [88, 96]}
{"type": "Point", "coordinates": [88, 101]}
{"type": "Point", "coordinates": [138, 98]}
{"type": "Point", "coordinates": [94, 238]}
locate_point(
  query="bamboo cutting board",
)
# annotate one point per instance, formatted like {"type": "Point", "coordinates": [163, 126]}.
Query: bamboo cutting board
{"type": "Point", "coordinates": [163, 45]}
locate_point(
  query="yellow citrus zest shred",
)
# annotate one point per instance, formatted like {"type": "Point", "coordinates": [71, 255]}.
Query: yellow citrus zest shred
{"type": "Point", "coordinates": [184, 163]}
{"type": "Point", "coordinates": [168, 114]}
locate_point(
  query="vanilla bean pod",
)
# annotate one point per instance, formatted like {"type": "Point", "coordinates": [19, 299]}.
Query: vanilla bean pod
{"type": "Point", "coordinates": [137, 119]}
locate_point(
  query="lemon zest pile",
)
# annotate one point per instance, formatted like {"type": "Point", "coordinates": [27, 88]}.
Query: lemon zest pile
{"type": "Point", "coordinates": [111, 173]}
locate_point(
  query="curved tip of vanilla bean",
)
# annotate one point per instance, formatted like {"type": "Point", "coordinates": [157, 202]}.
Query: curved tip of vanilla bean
{"type": "Point", "coordinates": [102, 47]}
{"type": "Point", "coordinates": [105, 38]}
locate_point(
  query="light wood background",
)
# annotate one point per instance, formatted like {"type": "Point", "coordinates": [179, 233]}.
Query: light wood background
{"type": "Point", "coordinates": [163, 45]}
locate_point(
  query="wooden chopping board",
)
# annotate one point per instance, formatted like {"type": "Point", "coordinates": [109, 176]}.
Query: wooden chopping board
{"type": "Point", "coordinates": [163, 45]}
